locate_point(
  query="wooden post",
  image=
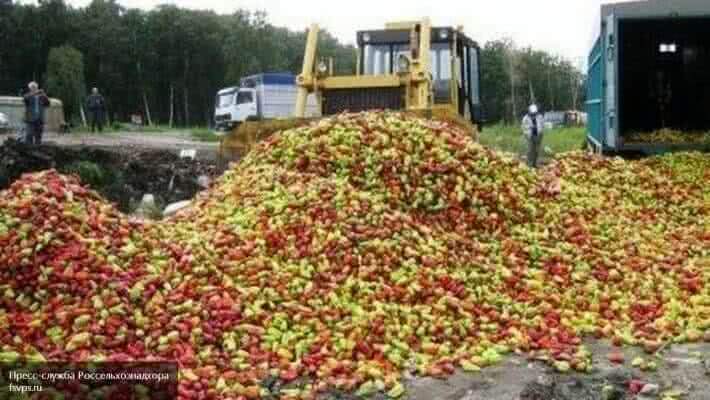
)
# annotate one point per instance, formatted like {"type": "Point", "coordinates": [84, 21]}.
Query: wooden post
{"type": "Point", "coordinates": [83, 115]}
{"type": "Point", "coordinates": [187, 109]}
{"type": "Point", "coordinates": [185, 91]}
{"type": "Point", "coordinates": [172, 105]}
{"type": "Point", "coordinates": [147, 109]}
{"type": "Point", "coordinates": [514, 109]}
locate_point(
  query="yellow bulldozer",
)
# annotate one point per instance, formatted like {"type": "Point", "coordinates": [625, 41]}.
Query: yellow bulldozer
{"type": "Point", "coordinates": [409, 66]}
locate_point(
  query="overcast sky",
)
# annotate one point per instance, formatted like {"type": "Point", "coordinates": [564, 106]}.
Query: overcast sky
{"type": "Point", "coordinates": [563, 27]}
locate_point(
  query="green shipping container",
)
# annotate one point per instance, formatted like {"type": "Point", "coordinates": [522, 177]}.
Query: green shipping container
{"type": "Point", "coordinates": [649, 69]}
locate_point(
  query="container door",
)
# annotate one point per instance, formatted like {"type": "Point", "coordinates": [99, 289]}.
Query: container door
{"type": "Point", "coordinates": [610, 100]}
{"type": "Point", "coordinates": [594, 104]}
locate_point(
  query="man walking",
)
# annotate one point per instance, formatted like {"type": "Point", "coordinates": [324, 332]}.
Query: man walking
{"type": "Point", "coordinates": [533, 129]}
{"type": "Point", "coordinates": [97, 107]}
{"type": "Point", "coordinates": [35, 102]}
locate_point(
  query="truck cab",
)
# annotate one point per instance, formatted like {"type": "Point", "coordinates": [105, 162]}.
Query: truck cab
{"type": "Point", "coordinates": [235, 105]}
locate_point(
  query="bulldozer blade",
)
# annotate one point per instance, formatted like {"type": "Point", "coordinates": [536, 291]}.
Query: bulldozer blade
{"type": "Point", "coordinates": [447, 114]}
{"type": "Point", "coordinates": [242, 138]}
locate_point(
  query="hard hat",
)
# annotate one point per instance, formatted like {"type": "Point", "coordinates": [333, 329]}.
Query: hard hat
{"type": "Point", "coordinates": [533, 109]}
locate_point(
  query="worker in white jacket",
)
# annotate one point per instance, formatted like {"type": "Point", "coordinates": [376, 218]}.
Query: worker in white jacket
{"type": "Point", "coordinates": [533, 127]}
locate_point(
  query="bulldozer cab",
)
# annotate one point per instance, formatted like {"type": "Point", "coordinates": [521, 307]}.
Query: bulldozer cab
{"type": "Point", "coordinates": [453, 63]}
{"type": "Point", "coordinates": [406, 66]}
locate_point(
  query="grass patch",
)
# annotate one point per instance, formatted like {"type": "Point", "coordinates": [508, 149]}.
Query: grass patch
{"type": "Point", "coordinates": [204, 135]}
{"type": "Point", "coordinates": [154, 128]}
{"type": "Point", "coordinates": [113, 128]}
{"type": "Point", "coordinates": [95, 175]}
{"type": "Point", "coordinates": [509, 138]}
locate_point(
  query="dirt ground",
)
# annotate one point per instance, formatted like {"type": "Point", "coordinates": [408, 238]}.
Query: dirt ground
{"type": "Point", "coordinates": [683, 369]}
{"type": "Point", "coordinates": [122, 167]}
{"type": "Point", "coordinates": [683, 373]}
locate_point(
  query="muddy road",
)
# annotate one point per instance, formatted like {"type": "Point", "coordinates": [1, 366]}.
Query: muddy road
{"type": "Point", "coordinates": [127, 141]}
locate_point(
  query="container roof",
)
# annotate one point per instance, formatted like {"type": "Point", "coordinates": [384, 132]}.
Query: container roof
{"type": "Point", "coordinates": [649, 9]}
{"type": "Point", "coordinates": [657, 9]}
{"type": "Point", "coordinates": [269, 78]}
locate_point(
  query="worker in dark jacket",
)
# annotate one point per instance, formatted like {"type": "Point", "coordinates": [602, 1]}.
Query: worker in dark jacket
{"type": "Point", "coordinates": [97, 108]}
{"type": "Point", "coordinates": [35, 103]}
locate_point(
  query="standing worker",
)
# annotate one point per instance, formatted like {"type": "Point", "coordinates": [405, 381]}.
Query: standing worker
{"type": "Point", "coordinates": [97, 107]}
{"type": "Point", "coordinates": [533, 129]}
{"type": "Point", "coordinates": [35, 102]}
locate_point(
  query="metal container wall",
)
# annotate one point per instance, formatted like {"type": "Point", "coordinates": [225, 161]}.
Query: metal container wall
{"type": "Point", "coordinates": [595, 129]}
{"type": "Point", "coordinates": [603, 89]}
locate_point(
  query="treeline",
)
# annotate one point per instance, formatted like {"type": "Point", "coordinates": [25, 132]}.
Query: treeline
{"type": "Point", "coordinates": [167, 63]}
{"type": "Point", "coordinates": [512, 78]}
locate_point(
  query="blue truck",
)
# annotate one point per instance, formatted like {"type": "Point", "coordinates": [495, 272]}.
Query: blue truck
{"type": "Point", "coordinates": [649, 69]}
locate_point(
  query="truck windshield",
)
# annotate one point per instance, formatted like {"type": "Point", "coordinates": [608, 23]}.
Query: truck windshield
{"type": "Point", "coordinates": [225, 99]}
{"type": "Point", "coordinates": [244, 97]}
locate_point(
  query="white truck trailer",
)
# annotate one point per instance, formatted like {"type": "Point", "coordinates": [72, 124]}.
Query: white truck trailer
{"type": "Point", "coordinates": [259, 97]}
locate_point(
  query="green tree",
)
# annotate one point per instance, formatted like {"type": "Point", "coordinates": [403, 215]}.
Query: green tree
{"type": "Point", "coordinates": [496, 79]}
{"type": "Point", "coordinates": [169, 62]}
{"type": "Point", "coordinates": [103, 38]}
{"type": "Point", "coordinates": [65, 78]}
{"type": "Point", "coordinates": [512, 78]}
